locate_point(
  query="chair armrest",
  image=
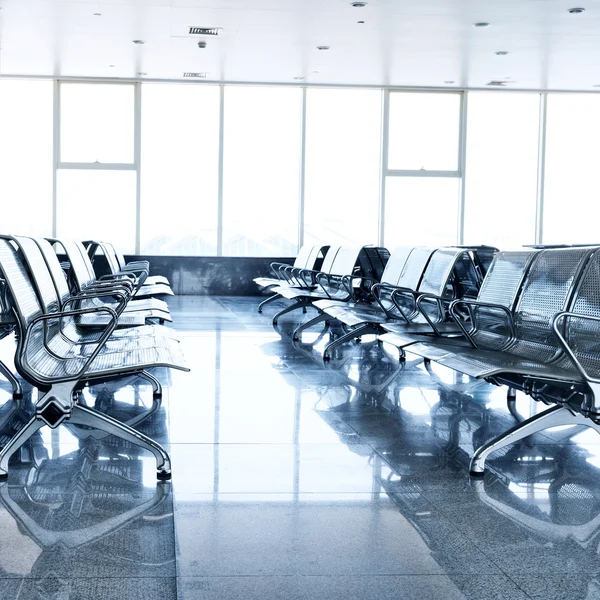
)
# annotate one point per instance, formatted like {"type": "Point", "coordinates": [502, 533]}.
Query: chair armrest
{"type": "Point", "coordinates": [472, 303]}
{"type": "Point", "coordinates": [61, 315]}
{"type": "Point", "coordinates": [565, 345]}
{"type": "Point", "coordinates": [440, 307]}
{"type": "Point", "coordinates": [399, 291]}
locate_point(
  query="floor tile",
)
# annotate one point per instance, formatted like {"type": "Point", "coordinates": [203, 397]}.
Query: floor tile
{"type": "Point", "coordinates": [411, 587]}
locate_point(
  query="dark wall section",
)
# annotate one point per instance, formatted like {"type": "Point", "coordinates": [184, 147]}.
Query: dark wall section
{"type": "Point", "coordinates": [211, 275]}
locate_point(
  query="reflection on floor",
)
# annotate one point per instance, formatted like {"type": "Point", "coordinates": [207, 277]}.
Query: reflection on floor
{"type": "Point", "coordinates": [292, 479]}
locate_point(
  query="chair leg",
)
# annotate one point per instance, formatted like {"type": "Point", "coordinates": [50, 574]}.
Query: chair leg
{"type": "Point", "coordinates": [511, 403]}
{"type": "Point", "coordinates": [156, 385]}
{"type": "Point", "coordinates": [16, 442]}
{"type": "Point", "coordinates": [287, 309]}
{"type": "Point", "coordinates": [268, 301]}
{"type": "Point", "coordinates": [355, 333]}
{"type": "Point", "coordinates": [16, 384]}
{"type": "Point", "coordinates": [318, 319]}
{"type": "Point", "coordinates": [553, 417]}
{"type": "Point", "coordinates": [82, 415]}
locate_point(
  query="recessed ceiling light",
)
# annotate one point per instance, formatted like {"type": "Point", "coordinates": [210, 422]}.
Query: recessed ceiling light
{"type": "Point", "coordinates": [323, 47]}
{"type": "Point", "coordinates": [576, 11]}
{"type": "Point", "coordinates": [481, 24]}
{"type": "Point", "coordinates": [448, 82]}
{"type": "Point", "coordinates": [501, 53]}
{"type": "Point", "coordinates": [359, 4]}
{"type": "Point", "coordinates": [139, 41]}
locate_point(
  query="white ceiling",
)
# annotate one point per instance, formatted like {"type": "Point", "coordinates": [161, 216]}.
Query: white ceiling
{"type": "Point", "coordinates": [403, 42]}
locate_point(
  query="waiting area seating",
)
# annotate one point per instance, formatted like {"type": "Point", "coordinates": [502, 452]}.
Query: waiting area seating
{"type": "Point", "coordinates": [67, 340]}
{"type": "Point", "coordinates": [527, 319]}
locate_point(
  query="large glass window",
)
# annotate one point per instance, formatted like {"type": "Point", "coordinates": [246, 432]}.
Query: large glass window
{"type": "Point", "coordinates": [421, 211]}
{"type": "Point", "coordinates": [262, 143]}
{"type": "Point", "coordinates": [97, 123]}
{"type": "Point", "coordinates": [97, 205]}
{"type": "Point", "coordinates": [180, 165]}
{"type": "Point", "coordinates": [343, 132]}
{"type": "Point", "coordinates": [501, 175]}
{"type": "Point", "coordinates": [424, 131]}
{"type": "Point", "coordinates": [572, 177]}
{"type": "Point", "coordinates": [26, 169]}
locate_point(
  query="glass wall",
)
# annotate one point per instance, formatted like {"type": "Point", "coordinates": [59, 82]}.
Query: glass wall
{"type": "Point", "coordinates": [422, 176]}
{"type": "Point", "coordinates": [343, 147]}
{"type": "Point", "coordinates": [261, 170]}
{"type": "Point", "coordinates": [572, 181]}
{"type": "Point", "coordinates": [26, 163]}
{"type": "Point", "coordinates": [424, 131]}
{"type": "Point", "coordinates": [179, 169]}
{"type": "Point", "coordinates": [188, 169]}
{"type": "Point", "coordinates": [502, 168]}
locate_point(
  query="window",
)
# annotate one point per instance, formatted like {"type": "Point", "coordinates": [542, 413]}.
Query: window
{"type": "Point", "coordinates": [96, 123]}
{"type": "Point", "coordinates": [97, 205]}
{"type": "Point", "coordinates": [262, 143]}
{"type": "Point", "coordinates": [424, 131]}
{"type": "Point", "coordinates": [26, 169]}
{"type": "Point", "coordinates": [572, 178]}
{"type": "Point", "coordinates": [180, 167]}
{"type": "Point", "coordinates": [421, 211]}
{"type": "Point", "coordinates": [343, 133]}
{"type": "Point", "coordinates": [502, 164]}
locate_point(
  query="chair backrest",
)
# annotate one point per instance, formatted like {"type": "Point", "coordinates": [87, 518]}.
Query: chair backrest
{"type": "Point", "coordinates": [345, 260]}
{"type": "Point", "coordinates": [414, 267]}
{"type": "Point", "coordinates": [547, 290]}
{"type": "Point", "coordinates": [24, 297]}
{"type": "Point", "coordinates": [329, 259]}
{"type": "Point", "coordinates": [111, 257]}
{"type": "Point", "coordinates": [119, 256]}
{"type": "Point", "coordinates": [303, 257]}
{"type": "Point", "coordinates": [437, 275]}
{"type": "Point", "coordinates": [505, 277]}
{"type": "Point", "coordinates": [53, 264]}
{"type": "Point", "coordinates": [40, 274]}
{"type": "Point", "coordinates": [500, 286]}
{"type": "Point", "coordinates": [583, 335]}
{"type": "Point", "coordinates": [80, 265]}
{"type": "Point", "coordinates": [395, 265]}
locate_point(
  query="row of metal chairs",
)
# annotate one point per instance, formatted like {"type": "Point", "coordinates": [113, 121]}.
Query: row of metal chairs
{"type": "Point", "coordinates": [98, 330]}
{"type": "Point", "coordinates": [528, 319]}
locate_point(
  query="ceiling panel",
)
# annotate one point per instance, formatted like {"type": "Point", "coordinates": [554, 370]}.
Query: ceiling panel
{"type": "Point", "coordinates": [401, 42]}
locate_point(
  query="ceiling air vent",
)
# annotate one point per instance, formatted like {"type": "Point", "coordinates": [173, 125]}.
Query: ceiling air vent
{"type": "Point", "coordinates": [204, 30]}
{"type": "Point", "coordinates": [196, 75]}
{"type": "Point", "coordinates": [497, 83]}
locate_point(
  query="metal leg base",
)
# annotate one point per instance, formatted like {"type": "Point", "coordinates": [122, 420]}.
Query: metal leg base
{"type": "Point", "coordinates": [352, 334]}
{"type": "Point", "coordinates": [267, 301]}
{"type": "Point", "coordinates": [553, 417]}
{"type": "Point", "coordinates": [156, 385]}
{"type": "Point", "coordinates": [86, 416]}
{"type": "Point", "coordinates": [287, 309]}
{"type": "Point", "coordinates": [318, 319]}
{"type": "Point", "coordinates": [16, 384]}
{"type": "Point", "coordinates": [16, 442]}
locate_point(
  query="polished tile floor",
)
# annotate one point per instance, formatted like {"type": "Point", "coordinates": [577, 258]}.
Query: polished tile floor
{"type": "Point", "coordinates": [295, 480]}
